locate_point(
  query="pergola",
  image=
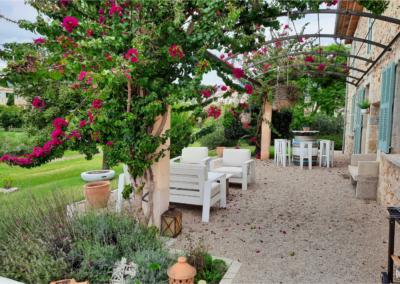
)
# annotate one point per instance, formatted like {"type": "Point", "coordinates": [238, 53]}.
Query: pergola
{"type": "Point", "coordinates": [350, 14]}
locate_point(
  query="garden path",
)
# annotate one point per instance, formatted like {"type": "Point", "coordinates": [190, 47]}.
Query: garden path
{"type": "Point", "coordinates": [313, 214]}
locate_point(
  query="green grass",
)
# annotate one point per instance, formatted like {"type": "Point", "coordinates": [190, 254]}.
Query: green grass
{"type": "Point", "coordinates": [64, 174]}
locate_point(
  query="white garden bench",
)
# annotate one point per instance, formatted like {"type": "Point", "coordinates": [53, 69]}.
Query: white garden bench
{"type": "Point", "coordinates": [237, 162]}
{"type": "Point", "coordinates": [194, 155]}
{"type": "Point", "coordinates": [193, 184]}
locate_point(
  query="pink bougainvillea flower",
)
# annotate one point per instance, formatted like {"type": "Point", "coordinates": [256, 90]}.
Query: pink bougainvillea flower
{"type": "Point", "coordinates": [258, 251]}
{"type": "Point", "coordinates": [284, 232]}
{"type": "Point", "coordinates": [291, 58]}
{"type": "Point", "coordinates": [127, 76]}
{"type": "Point", "coordinates": [82, 75]}
{"type": "Point", "coordinates": [59, 225]}
{"type": "Point", "coordinates": [309, 59]}
{"type": "Point", "coordinates": [246, 37]}
{"type": "Point", "coordinates": [69, 23]}
{"type": "Point", "coordinates": [213, 112]}
{"type": "Point", "coordinates": [17, 220]}
{"type": "Point", "coordinates": [332, 60]}
{"type": "Point", "coordinates": [104, 33]}
{"type": "Point", "coordinates": [218, 12]}
{"type": "Point", "coordinates": [90, 262]}
{"type": "Point", "coordinates": [277, 43]}
{"type": "Point", "coordinates": [101, 11]}
{"type": "Point", "coordinates": [97, 104]}
{"type": "Point", "coordinates": [89, 81]}
{"type": "Point", "coordinates": [82, 123]}
{"type": "Point", "coordinates": [333, 4]}
{"type": "Point", "coordinates": [39, 41]}
{"type": "Point", "coordinates": [344, 64]}
{"type": "Point", "coordinates": [133, 55]}
{"type": "Point", "coordinates": [109, 143]}
{"type": "Point", "coordinates": [253, 139]}
{"type": "Point", "coordinates": [301, 39]}
{"type": "Point", "coordinates": [346, 71]}
{"type": "Point", "coordinates": [222, 56]}
{"type": "Point", "coordinates": [224, 88]}
{"type": "Point", "coordinates": [249, 89]}
{"type": "Point", "coordinates": [206, 93]}
{"type": "Point", "coordinates": [122, 20]}
{"type": "Point", "coordinates": [286, 27]}
{"type": "Point", "coordinates": [229, 54]}
{"type": "Point", "coordinates": [89, 33]}
{"type": "Point", "coordinates": [238, 73]}
{"type": "Point", "coordinates": [58, 123]}
{"type": "Point", "coordinates": [266, 66]}
{"type": "Point", "coordinates": [237, 148]}
{"type": "Point", "coordinates": [176, 51]}
{"type": "Point", "coordinates": [321, 67]}
{"type": "Point", "coordinates": [37, 103]}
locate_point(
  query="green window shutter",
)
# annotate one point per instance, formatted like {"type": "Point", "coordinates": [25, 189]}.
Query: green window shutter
{"type": "Point", "coordinates": [386, 107]}
{"type": "Point", "coordinates": [369, 36]}
{"type": "Point", "coordinates": [358, 128]}
{"type": "Point", "coordinates": [353, 104]}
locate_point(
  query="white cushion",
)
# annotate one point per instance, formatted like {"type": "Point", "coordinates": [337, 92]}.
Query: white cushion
{"type": "Point", "coordinates": [236, 171]}
{"type": "Point", "coordinates": [191, 166]}
{"type": "Point", "coordinates": [194, 155]}
{"type": "Point", "coordinates": [235, 157]}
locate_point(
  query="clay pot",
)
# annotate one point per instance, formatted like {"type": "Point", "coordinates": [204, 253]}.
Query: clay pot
{"type": "Point", "coordinates": [181, 272]}
{"type": "Point", "coordinates": [97, 193]}
{"type": "Point", "coordinates": [220, 151]}
{"type": "Point", "coordinates": [257, 156]}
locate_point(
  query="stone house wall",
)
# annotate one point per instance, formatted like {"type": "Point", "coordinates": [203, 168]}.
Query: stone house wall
{"type": "Point", "coordinates": [3, 99]}
{"type": "Point", "coordinates": [383, 32]}
{"type": "Point", "coordinates": [389, 180]}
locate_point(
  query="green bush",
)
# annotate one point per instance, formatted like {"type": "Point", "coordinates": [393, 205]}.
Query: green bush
{"type": "Point", "coordinates": [10, 116]}
{"type": "Point", "coordinates": [328, 125]}
{"type": "Point", "coordinates": [181, 131]}
{"type": "Point", "coordinates": [14, 143]}
{"type": "Point", "coordinates": [338, 138]}
{"type": "Point", "coordinates": [216, 139]}
{"type": "Point", "coordinates": [281, 121]}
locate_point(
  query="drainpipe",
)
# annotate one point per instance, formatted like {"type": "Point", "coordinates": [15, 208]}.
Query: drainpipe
{"type": "Point", "coordinates": [345, 116]}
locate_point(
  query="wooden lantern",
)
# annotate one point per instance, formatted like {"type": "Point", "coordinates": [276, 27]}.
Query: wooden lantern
{"type": "Point", "coordinates": [181, 272]}
{"type": "Point", "coordinates": [171, 222]}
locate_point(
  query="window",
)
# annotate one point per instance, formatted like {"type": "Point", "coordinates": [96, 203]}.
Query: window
{"type": "Point", "coordinates": [353, 64]}
{"type": "Point", "coordinates": [0, 95]}
{"type": "Point", "coordinates": [369, 36]}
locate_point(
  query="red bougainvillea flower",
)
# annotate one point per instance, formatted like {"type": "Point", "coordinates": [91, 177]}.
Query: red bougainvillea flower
{"type": "Point", "coordinates": [82, 75]}
{"type": "Point", "coordinates": [301, 39]}
{"type": "Point", "coordinates": [249, 89]}
{"type": "Point", "coordinates": [176, 51]}
{"type": "Point", "coordinates": [39, 41]}
{"type": "Point", "coordinates": [286, 27]}
{"type": "Point", "coordinates": [222, 56]}
{"type": "Point", "coordinates": [58, 123]}
{"type": "Point", "coordinates": [133, 55]}
{"type": "Point", "coordinates": [97, 104]}
{"type": "Point", "coordinates": [214, 112]}
{"type": "Point", "coordinates": [246, 126]}
{"type": "Point", "coordinates": [332, 60]}
{"type": "Point", "coordinates": [253, 139]}
{"type": "Point", "coordinates": [344, 64]}
{"type": "Point", "coordinates": [69, 23]}
{"type": "Point", "coordinates": [321, 67]}
{"type": "Point", "coordinates": [291, 58]}
{"type": "Point", "coordinates": [89, 33]}
{"type": "Point", "coordinates": [277, 43]}
{"type": "Point", "coordinates": [333, 4]}
{"type": "Point", "coordinates": [346, 71]}
{"type": "Point", "coordinates": [238, 73]}
{"type": "Point", "coordinates": [82, 123]}
{"type": "Point", "coordinates": [218, 12]}
{"type": "Point", "coordinates": [90, 262]}
{"type": "Point", "coordinates": [206, 93]}
{"type": "Point", "coordinates": [309, 59]}
{"type": "Point", "coordinates": [109, 143]}
{"type": "Point", "coordinates": [229, 54]}
{"type": "Point", "coordinates": [37, 103]}
{"type": "Point", "coordinates": [254, 70]}
{"type": "Point", "coordinates": [224, 88]}
{"type": "Point", "coordinates": [237, 148]}
{"type": "Point", "coordinates": [266, 66]}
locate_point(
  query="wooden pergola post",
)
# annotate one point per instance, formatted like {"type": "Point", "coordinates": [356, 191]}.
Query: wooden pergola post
{"type": "Point", "coordinates": [266, 132]}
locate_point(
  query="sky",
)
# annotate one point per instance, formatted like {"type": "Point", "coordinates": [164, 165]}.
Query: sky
{"type": "Point", "coordinates": [17, 10]}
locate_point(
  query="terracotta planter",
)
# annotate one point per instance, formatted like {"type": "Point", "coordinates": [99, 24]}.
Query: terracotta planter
{"type": "Point", "coordinates": [97, 193]}
{"type": "Point", "coordinates": [257, 156]}
{"type": "Point", "coordinates": [220, 151]}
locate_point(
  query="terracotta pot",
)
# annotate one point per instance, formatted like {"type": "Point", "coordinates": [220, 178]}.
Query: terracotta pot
{"type": "Point", "coordinates": [220, 151]}
{"type": "Point", "coordinates": [97, 193]}
{"type": "Point", "coordinates": [257, 156]}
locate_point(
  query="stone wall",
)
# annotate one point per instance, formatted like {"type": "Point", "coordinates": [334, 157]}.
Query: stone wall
{"type": "Point", "coordinates": [383, 32]}
{"type": "Point", "coordinates": [389, 180]}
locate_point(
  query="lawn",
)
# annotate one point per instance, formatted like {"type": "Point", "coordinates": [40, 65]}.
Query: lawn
{"type": "Point", "coordinates": [64, 174]}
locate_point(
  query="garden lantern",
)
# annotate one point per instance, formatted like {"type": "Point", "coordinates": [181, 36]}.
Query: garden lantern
{"type": "Point", "coordinates": [171, 222]}
{"type": "Point", "coordinates": [181, 272]}
{"type": "Point", "coordinates": [307, 111]}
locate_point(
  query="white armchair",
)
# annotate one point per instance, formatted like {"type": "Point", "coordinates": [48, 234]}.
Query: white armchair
{"type": "Point", "coordinates": [194, 155]}
{"type": "Point", "coordinates": [192, 184]}
{"type": "Point", "coordinates": [237, 162]}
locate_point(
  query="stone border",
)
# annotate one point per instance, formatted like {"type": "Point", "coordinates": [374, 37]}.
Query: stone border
{"type": "Point", "coordinates": [233, 265]}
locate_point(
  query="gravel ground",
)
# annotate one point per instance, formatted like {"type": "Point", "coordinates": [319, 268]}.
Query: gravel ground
{"type": "Point", "coordinates": [335, 238]}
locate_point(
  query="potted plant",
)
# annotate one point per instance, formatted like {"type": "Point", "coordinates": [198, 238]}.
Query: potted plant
{"type": "Point", "coordinates": [364, 106]}
{"type": "Point", "coordinates": [97, 193]}
{"type": "Point", "coordinates": [306, 128]}
{"type": "Point", "coordinates": [285, 95]}
{"type": "Point", "coordinates": [257, 152]}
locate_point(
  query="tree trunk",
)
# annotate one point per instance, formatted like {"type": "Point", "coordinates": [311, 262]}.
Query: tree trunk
{"type": "Point", "coordinates": [105, 167]}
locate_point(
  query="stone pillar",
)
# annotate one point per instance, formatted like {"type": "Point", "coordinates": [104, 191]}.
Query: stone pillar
{"type": "Point", "coordinates": [161, 176]}
{"type": "Point", "coordinates": [266, 132]}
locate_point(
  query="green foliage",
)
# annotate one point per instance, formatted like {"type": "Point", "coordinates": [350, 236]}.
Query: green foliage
{"type": "Point", "coordinates": [40, 244]}
{"type": "Point", "coordinates": [10, 116]}
{"type": "Point", "coordinates": [376, 6]}
{"type": "Point", "coordinates": [8, 182]}
{"type": "Point", "coordinates": [229, 119]}
{"type": "Point", "coordinates": [10, 100]}
{"type": "Point", "coordinates": [282, 121]}
{"type": "Point", "coordinates": [14, 143]}
{"type": "Point", "coordinates": [236, 130]}
{"type": "Point", "coordinates": [325, 124]}
{"type": "Point", "coordinates": [338, 138]}
{"type": "Point", "coordinates": [181, 131]}
{"type": "Point", "coordinates": [216, 139]}
{"type": "Point", "coordinates": [364, 104]}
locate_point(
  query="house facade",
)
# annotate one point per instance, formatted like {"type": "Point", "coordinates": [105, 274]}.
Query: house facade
{"type": "Point", "coordinates": [379, 131]}
{"type": "Point", "coordinates": [4, 93]}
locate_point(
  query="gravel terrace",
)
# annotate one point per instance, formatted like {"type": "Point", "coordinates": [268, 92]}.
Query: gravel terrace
{"type": "Point", "coordinates": [335, 238]}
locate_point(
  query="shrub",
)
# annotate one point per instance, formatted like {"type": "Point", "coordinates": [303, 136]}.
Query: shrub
{"type": "Point", "coordinates": [8, 182]}
{"type": "Point", "coordinates": [328, 125]}
{"type": "Point", "coordinates": [337, 138]}
{"type": "Point", "coordinates": [282, 121]}
{"type": "Point", "coordinates": [181, 130]}
{"type": "Point", "coordinates": [14, 143]}
{"type": "Point", "coordinates": [10, 116]}
{"type": "Point", "coordinates": [216, 139]}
